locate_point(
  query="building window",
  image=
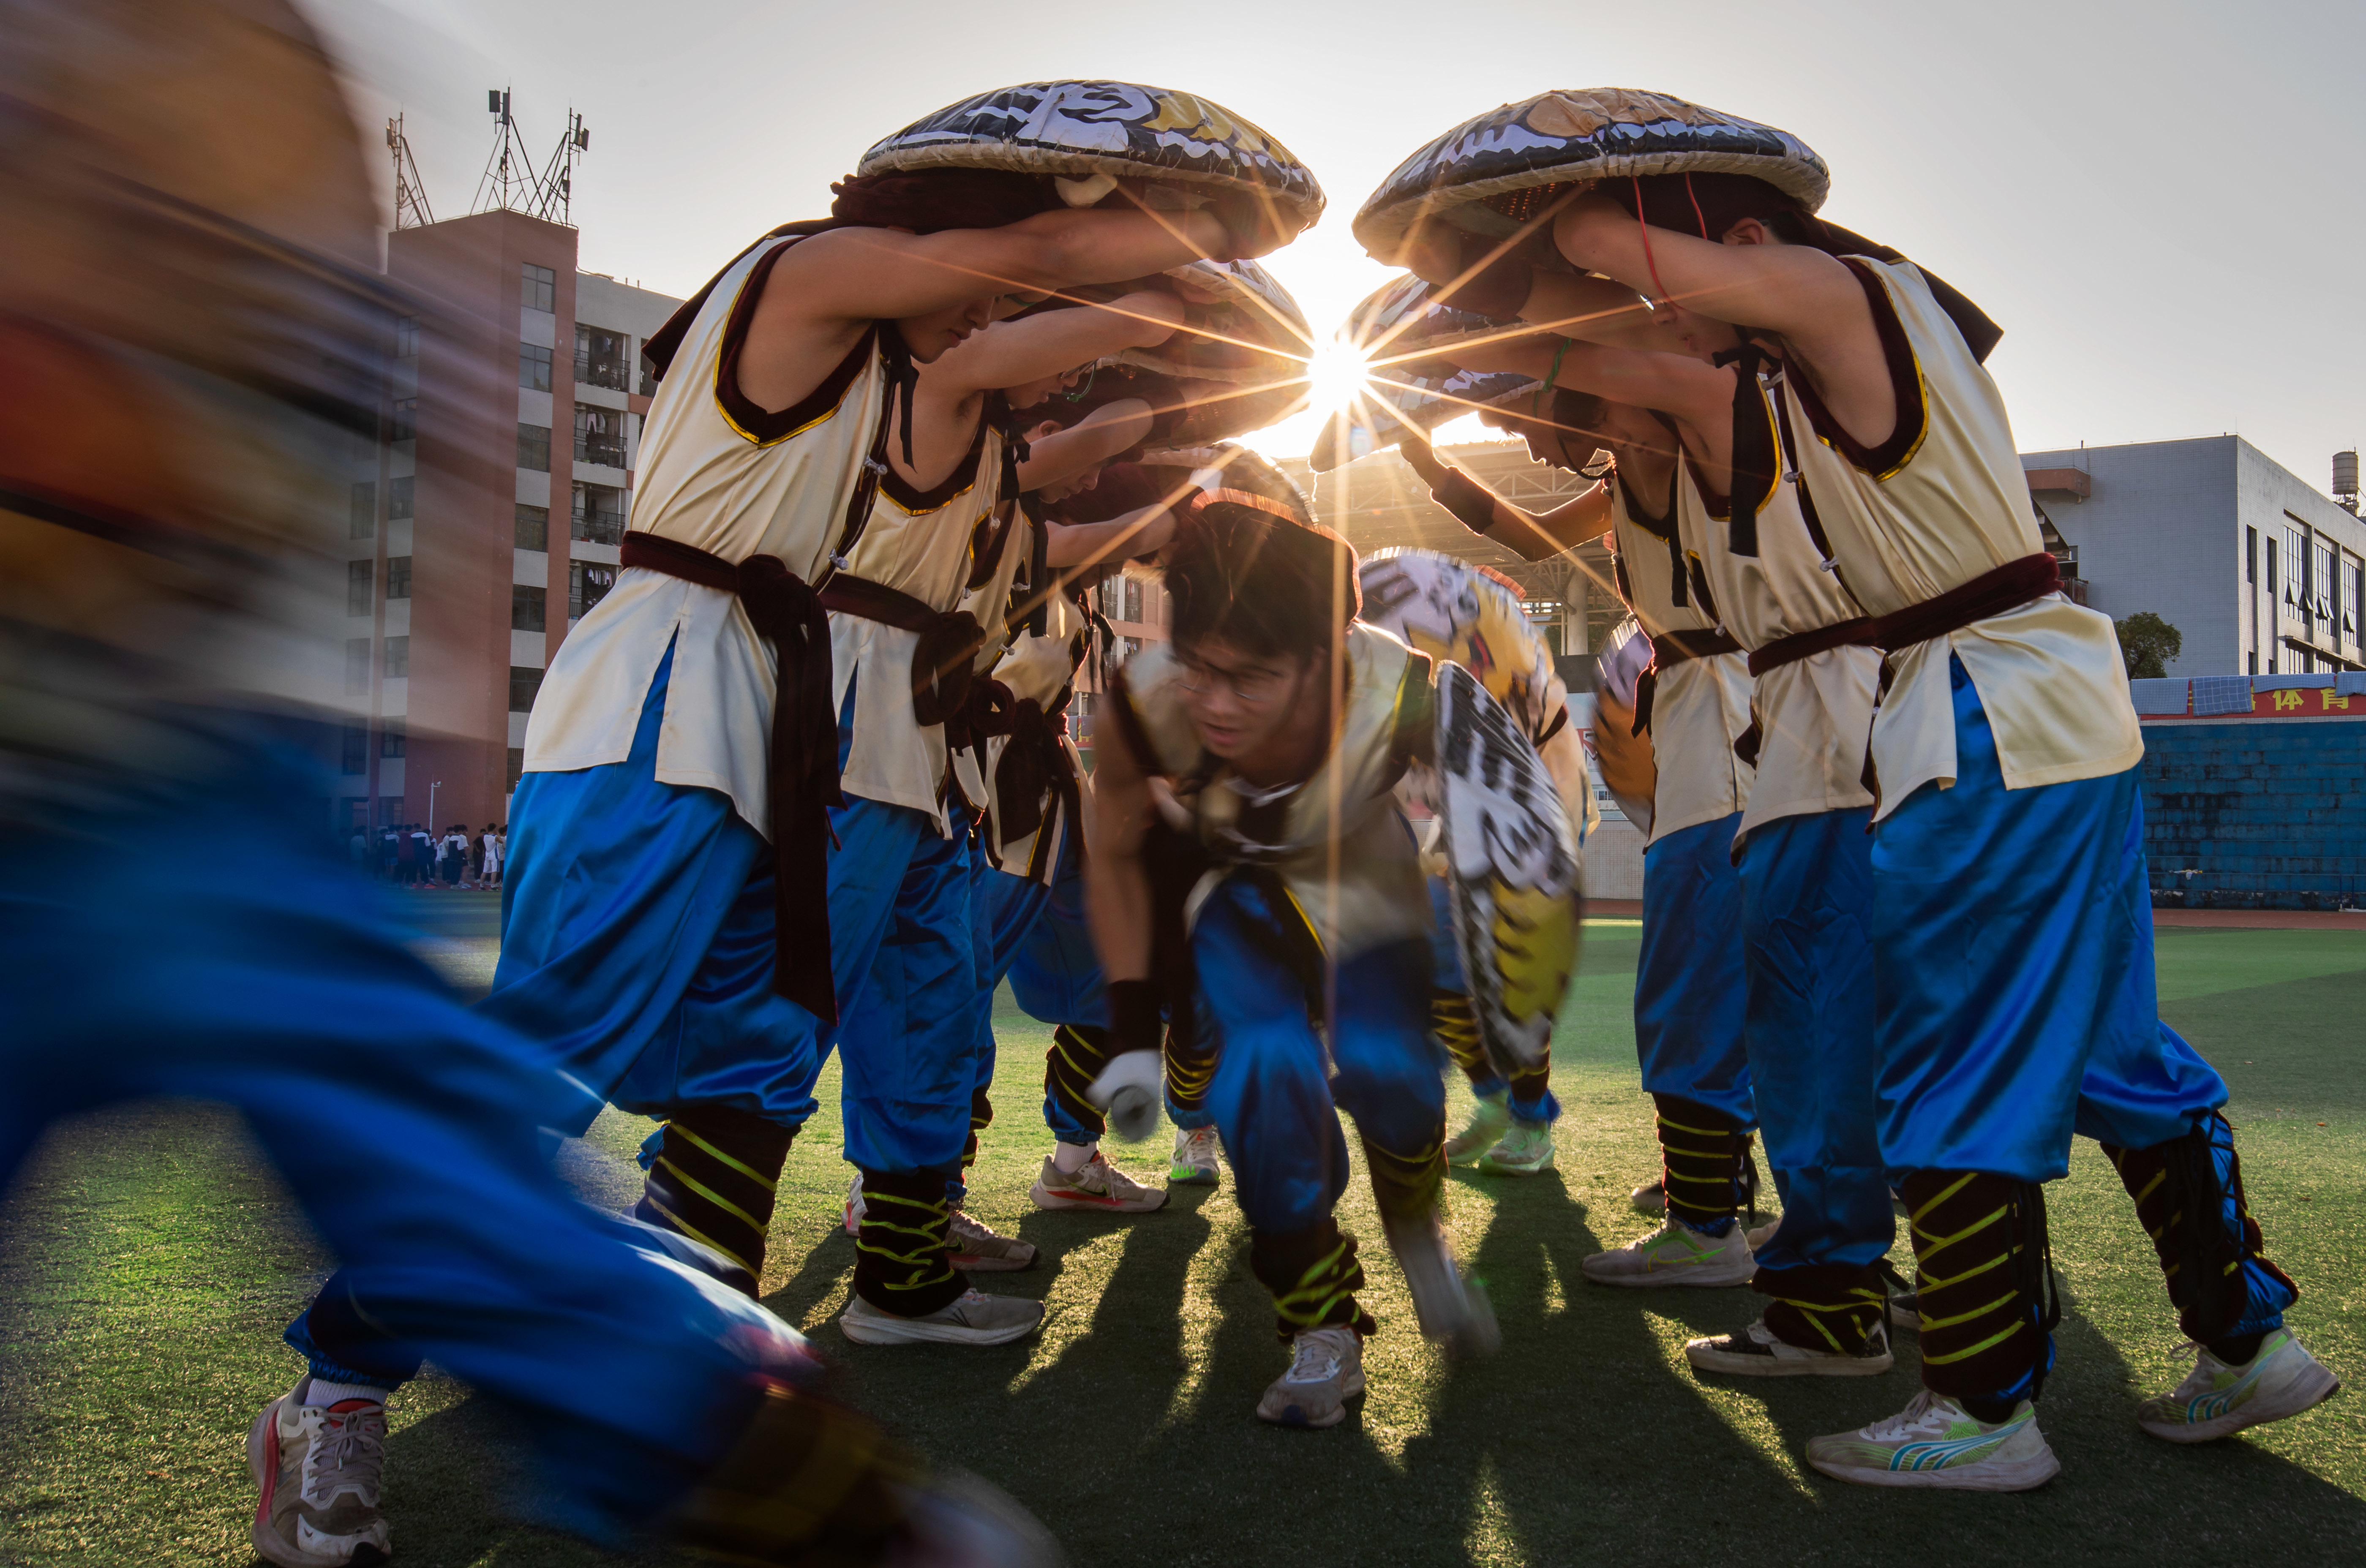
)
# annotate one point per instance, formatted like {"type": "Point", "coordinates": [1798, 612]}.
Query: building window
{"type": "Point", "coordinates": [1132, 600]}
{"type": "Point", "coordinates": [2250, 555]}
{"type": "Point", "coordinates": [357, 663]}
{"type": "Point", "coordinates": [389, 740]}
{"type": "Point", "coordinates": [406, 420]}
{"type": "Point", "coordinates": [517, 768]}
{"type": "Point", "coordinates": [541, 288]}
{"type": "Point", "coordinates": [401, 497]}
{"type": "Point", "coordinates": [363, 516]}
{"type": "Point", "coordinates": [398, 658]}
{"type": "Point", "coordinates": [525, 608]}
{"type": "Point", "coordinates": [524, 683]}
{"type": "Point", "coordinates": [599, 516]}
{"type": "Point", "coordinates": [599, 436]}
{"type": "Point", "coordinates": [357, 748]}
{"type": "Point", "coordinates": [533, 527]}
{"type": "Point", "coordinates": [648, 378]}
{"type": "Point", "coordinates": [2295, 583]}
{"type": "Point", "coordinates": [2254, 665]}
{"type": "Point", "coordinates": [398, 576]}
{"type": "Point", "coordinates": [358, 577]}
{"type": "Point", "coordinates": [588, 583]}
{"type": "Point", "coordinates": [534, 367]}
{"type": "Point", "coordinates": [406, 337]}
{"type": "Point", "coordinates": [2321, 585]}
{"type": "Point", "coordinates": [600, 357]}
{"type": "Point", "coordinates": [2353, 587]}
{"type": "Point", "coordinates": [534, 447]}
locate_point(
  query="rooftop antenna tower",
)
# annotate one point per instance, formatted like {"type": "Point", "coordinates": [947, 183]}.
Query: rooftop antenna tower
{"type": "Point", "coordinates": [411, 209]}
{"type": "Point", "coordinates": [558, 175]}
{"type": "Point", "coordinates": [508, 180]}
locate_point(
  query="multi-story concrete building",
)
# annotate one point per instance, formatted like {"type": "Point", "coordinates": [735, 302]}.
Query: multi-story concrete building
{"type": "Point", "coordinates": [487, 521]}
{"type": "Point", "coordinates": [2259, 573]}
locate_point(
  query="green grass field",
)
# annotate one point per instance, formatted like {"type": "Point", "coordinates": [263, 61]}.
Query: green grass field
{"type": "Point", "coordinates": [153, 1260]}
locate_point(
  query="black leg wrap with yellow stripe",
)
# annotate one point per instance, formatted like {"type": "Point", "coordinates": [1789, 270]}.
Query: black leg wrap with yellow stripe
{"type": "Point", "coordinates": [714, 1180]}
{"type": "Point", "coordinates": [807, 1482]}
{"type": "Point", "coordinates": [1823, 1306]}
{"type": "Point", "coordinates": [1406, 1183]}
{"type": "Point", "coordinates": [901, 1262]}
{"type": "Point", "coordinates": [1190, 1066]}
{"type": "Point", "coordinates": [1077, 1053]}
{"type": "Point", "coordinates": [1985, 1279]}
{"type": "Point", "coordinates": [1457, 1028]}
{"type": "Point", "coordinates": [2188, 1194]}
{"type": "Point", "coordinates": [1705, 1160]}
{"type": "Point", "coordinates": [1314, 1276]}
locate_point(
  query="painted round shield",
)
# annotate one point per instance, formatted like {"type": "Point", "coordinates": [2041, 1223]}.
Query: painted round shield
{"type": "Point", "coordinates": [1492, 175]}
{"type": "Point", "coordinates": [1115, 128]}
{"type": "Point", "coordinates": [1510, 869]}
{"type": "Point", "coordinates": [1629, 768]}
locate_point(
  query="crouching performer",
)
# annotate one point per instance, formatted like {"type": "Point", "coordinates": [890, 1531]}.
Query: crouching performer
{"type": "Point", "coordinates": [1270, 733]}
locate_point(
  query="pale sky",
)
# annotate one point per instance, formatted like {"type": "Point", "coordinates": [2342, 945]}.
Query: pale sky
{"type": "Point", "coordinates": [2158, 201]}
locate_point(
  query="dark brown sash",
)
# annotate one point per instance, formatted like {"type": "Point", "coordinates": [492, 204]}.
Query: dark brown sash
{"type": "Point", "coordinates": [803, 767]}
{"type": "Point", "coordinates": [2008, 586]}
{"type": "Point", "coordinates": [949, 640]}
{"type": "Point", "coordinates": [1858, 632]}
{"type": "Point", "coordinates": [1667, 653]}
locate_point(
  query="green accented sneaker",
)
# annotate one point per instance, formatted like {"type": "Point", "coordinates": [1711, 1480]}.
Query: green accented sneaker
{"type": "Point", "coordinates": [1526, 1149]}
{"type": "Point", "coordinates": [2216, 1399]}
{"type": "Point", "coordinates": [1936, 1442]}
{"type": "Point", "coordinates": [1675, 1254]}
{"type": "Point", "coordinates": [1759, 1351]}
{"type": "Point", "coordinates": [1194, 1164]}
{"type": "Point", "coordinates": [1491, 1118]}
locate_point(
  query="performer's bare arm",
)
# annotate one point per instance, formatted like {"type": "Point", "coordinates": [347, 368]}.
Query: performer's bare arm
{"type": "Point", "coordinates": [1808, 299]}
{"type": "Point", "coordinates": [1008, 354]}
{"type": "Point", "coordinates": [1117, 883]}
{"type": "Point", "coordinates": [1536, 536]}
{"type": "Point", "coordinates": [1090, 441]}
{"type": "Point", "coordinates": [1597, 309]}
{"type": "Point", "coordinates": [826, 291]}
{"type": "Point", "coordinates": [1143, 533]}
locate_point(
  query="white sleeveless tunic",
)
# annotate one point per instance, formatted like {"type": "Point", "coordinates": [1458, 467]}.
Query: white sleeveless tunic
{"type": "Point", "coordinates": [729, 479]}
{"type": "Point", "coordinates": [1700, 707]}
{"type": "Point", "coordinates": [1037, 667]}
{"type": "Point", "coordinates": [1813, 716]}
{"type": "Point", "coordinates": [924, 543]}
{"type": "Point", "coordinates": [1940, 503]}
{"type": "Point", "coordinates": [1378, 894]}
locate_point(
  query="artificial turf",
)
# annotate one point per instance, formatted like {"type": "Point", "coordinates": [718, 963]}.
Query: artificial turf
{"type": "Point", "coordinates": [152, 1260]}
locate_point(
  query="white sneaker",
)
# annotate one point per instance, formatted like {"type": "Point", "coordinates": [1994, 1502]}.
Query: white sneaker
{"type": "Point", "coordinates": [1756, 1351]}
{"type": "Point", "coordinates": [1194, 1164]}
{"type": "Point", "coordinates": [1759, 1236]}
{"type": "Point", "coordinates": [976, 1318]}
{"type": "Point", "coordinates": [978, 1248]}
{"type": "Point", "coordinates": [318, 1470]}
{"type": "Point", "coordinates": [1491, 1118]}
{"type": "Point", "coordinates": [854, 1207]}
{"type": "Point", "coordinates": [1675, 1254]}
{"type": "Point", "coordinates": [1327, 1370]}
{"type": "Point", "coordinates": [2216, 1399]}
{"type": "Point", "coordinates": [1451, 1309]}
{"type": "Point", "coordinates": [1935, 1442]}
{"type": "Point", "coordinates": [1096, 1184]}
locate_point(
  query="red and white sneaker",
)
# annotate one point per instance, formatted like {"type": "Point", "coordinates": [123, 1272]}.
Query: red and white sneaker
{"type": "Point", "coordinates": [1096, 1184]}
{"type": "Point", "coordinates": [317, 1470]}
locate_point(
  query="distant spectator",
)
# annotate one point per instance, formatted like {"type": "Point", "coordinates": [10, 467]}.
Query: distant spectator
{"type": "Point", "coordinates": [492, 875]}
{"type": "Point", "coordinates": [358, 848]}
{"type": "Point", "coordinates": [423, 857]}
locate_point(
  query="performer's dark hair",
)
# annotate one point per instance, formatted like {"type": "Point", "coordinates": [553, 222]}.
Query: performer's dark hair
{"type": "Point", "coordinates": [1270, 587]}
{"type": "Point", "coordinates": [1708, 204]}
{"type": "Point", "coordinates": [929, 200]}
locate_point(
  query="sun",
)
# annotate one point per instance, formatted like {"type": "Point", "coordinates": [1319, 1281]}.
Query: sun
{"type": "Point", "coordinates": [1336, 375]}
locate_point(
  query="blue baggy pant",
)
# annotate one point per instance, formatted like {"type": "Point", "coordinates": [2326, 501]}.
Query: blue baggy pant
{"type": "Point", "coordinates": [1275, 1086]}
{"type": "Point", "coordinates": [1807, 895]}
{"type": "Point", "coordinates": [404, 1122]}
{"type": "Point", "coordinates": [1690, 996]}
